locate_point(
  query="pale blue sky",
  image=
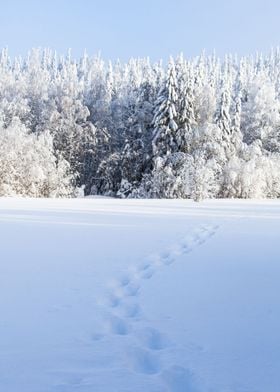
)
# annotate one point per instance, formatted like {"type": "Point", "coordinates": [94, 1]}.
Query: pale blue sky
{"type": "Point", "coordinates": [155, 28]}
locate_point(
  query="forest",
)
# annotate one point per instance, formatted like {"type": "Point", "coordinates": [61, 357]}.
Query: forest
{"type": "Point", "coordinates": [205, 127]}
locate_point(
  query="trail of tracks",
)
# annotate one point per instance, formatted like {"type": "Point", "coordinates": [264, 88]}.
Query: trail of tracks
{"type": "Point", "coordinates": [124, 310]}
{"type": "Point", "coordinates": [143, 345]}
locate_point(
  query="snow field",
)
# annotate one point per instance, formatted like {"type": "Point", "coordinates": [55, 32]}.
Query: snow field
{"type": "Point", "coordinates": [113, 295]}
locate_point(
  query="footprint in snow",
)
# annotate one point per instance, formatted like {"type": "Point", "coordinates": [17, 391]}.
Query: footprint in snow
{"type": "Point", "coordinates": [179, 379]}
{"type": "Point", "coordinates": [130, 310]}
{"type": "Point", "coordinates": [113, 300]}
{"type": "Point", "coordinates": [147, 273]}
{"type": "Point", "coordinates": [152, 339]}
{"type": "Point", "coordinates": [117, 296]}
{"type": "Point", "coordinates": [125, 286]}
{"type": "Point", "coordinates": [165, 259]}
{"type": "Point", "coordinates": [118, 326]}
{"type": "Point", "coordinates": [124, 280]}
{"type": "Point", "coordinates": [142, 361]}
{"type": "Point", "coordinates": [131, 290]}
{"type": "Point", "coordinates": [144, 266]}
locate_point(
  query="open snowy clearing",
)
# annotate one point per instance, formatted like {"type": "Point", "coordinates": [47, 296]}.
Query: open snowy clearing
{"type": "Point", "coordinates": [139, 295]}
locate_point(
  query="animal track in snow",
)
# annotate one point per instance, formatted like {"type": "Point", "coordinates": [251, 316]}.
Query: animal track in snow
{"type": "Point", "coordinates": [144, 266]}
{"type": "Point", "coordinates": [147, 274]}
{"type": "Point", "coordinates": [118, 325]}
{"type": "Point", "coordinates": [153, 339]}
{"type": "Point", "coordinates": [113, 300]}
{"type": "Point", "coordinates": [124, 280]}
{"type": "Point", "coordinates": [130, 310]}
{"type": "Point", "coordinates": [143, 361]}
{"type": "Point", "coordinates": [179, 379]}
{"type": "Point", "coordinates": [132, 289]}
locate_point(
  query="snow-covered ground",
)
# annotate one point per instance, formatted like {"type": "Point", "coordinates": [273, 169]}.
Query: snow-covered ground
{"type": "Point", "coordinates": [131, 295]}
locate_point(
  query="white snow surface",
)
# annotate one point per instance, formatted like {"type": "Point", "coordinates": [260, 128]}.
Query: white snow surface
{"type": "Point", "coordinates": [139, 295]}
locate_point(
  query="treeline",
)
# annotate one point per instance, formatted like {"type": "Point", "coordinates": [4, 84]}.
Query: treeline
{"type": "Point", "coordinates": [195, 128]}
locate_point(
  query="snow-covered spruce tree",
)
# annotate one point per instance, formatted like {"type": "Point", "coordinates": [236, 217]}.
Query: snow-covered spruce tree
{"type": "Point", "coordinates": [164, 137]}
{"type": "Point", "coordinates": [224, 123]}
{"type": "Point", "coordinates": [200, 164]}
{"type": "Point", "coordinates": [164, 122]}
{"type": "Point", "coordinates": [236, 134]}
{"type": "Point", "coordinates": [28, 166]}
{"type": "Point", "coordinates": [186, 111]}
